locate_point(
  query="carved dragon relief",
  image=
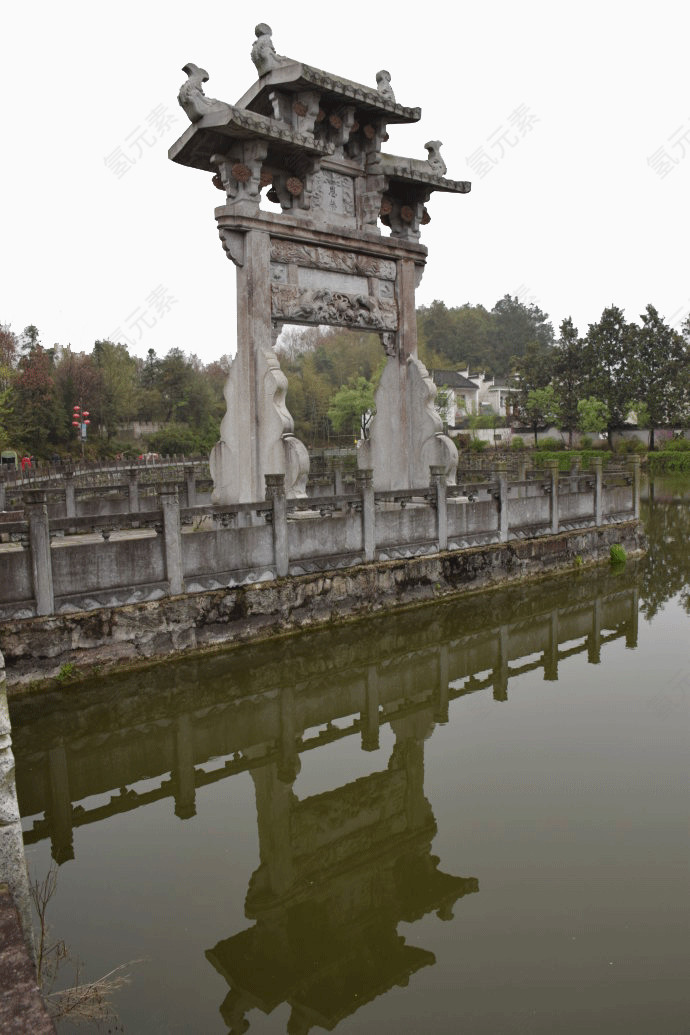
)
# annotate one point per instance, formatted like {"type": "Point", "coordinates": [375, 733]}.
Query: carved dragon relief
{"type": "Point", "coordinates": [332, 307]}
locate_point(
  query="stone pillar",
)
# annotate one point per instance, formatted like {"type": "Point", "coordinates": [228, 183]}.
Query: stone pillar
{"type": "Point", "coordinates": [190, 479]}
{"type": "Point", "coordinates": [365, 485]}
{"type": "Point", "coordinates": [550, 656]}
{"type": "Point", "coordinates": [441, 694]}
{"type": "Point", "coordinates": [133, 486]}
{"type": "Point", "coordinates": [60, 810]}
{"type": "Point", "coordinates": [500, 670]}
{"type": "Point", "coordinates": [12, 858]}
{"type": "Point", "coordinates": [274, 801]}
{"type": "Point", "coordinates": [370, 715]}
{"type": "Point", "coordinates": [631, 626]}
{"type": "Point", "coordinates": [172, 534]}
{"type": "Point", "coordinates": [338, 480]}
{"type": "Point", "coordinates": [438, 490]}
{"type": "Point", "coordinates": [3, 494]}
{"type": "Point", "coordinates": [502, 475]}
{"type": "Point", "coordinates": [594, 638]}
{"type": "Point", "coordinates": [70, 503]}
{"type": "Point", "coordinates": [275, 491]}
{"type": "Point", "coordinates": [634, 468]}
{"type": "Point", "coordinates": [522, 475]}
{"type": "Point", "coordinates": [183, 775]}
{"type": "Point", "coordinates": [288, 762]}
{"type": "Point", "coordinates": [39, 544]}
{"type": "Point", "coordinates": [575, 473]}
{"type": "Point", "coordinates": [256, 433]}
{"type": "Point", "coordinates": [597, 465]}
{"type": "Point", "coordinates": [552, 472]}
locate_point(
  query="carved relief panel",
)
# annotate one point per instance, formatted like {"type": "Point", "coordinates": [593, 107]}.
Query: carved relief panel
{"type": "Point", "coordinates": [311, 284]}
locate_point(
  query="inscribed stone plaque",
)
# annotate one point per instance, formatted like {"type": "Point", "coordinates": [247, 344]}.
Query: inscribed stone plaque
{"type": "Point", "coordinates": [333, 193]}
{"type": "Point", "coordinates": [314, 279]}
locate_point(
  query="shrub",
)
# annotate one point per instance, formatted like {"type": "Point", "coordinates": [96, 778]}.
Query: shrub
{"type": "Point", "coordinates": [586, 442]}
{"type": "Point", "coordinates": [630, 445]}
{"type": "Point", "coordinates": [617, 554]}
{"type": "Point", "coordinates": [478, 444]}
{"type": "Point", "coordinates": [517, 442]}
{"type": "Point", "coordinates": [676, 445]}
{"type": "Point", "coordinates": [550, 445]}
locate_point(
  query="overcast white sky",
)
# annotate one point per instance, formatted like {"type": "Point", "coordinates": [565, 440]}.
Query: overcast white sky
{"type": "Point", "coordinates": [582, 110]}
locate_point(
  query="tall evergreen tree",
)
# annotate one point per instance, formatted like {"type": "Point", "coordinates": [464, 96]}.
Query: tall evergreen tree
{"type": "Point", "coordinates": [609, 351]}
{"type": "Point", "coordinates": [569, 369]}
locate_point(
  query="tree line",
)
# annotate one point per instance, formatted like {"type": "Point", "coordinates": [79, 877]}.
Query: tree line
{"type": "Point", "coordinates": [588, 382]}
{"type": "Point", "coordinates": [39, 388]}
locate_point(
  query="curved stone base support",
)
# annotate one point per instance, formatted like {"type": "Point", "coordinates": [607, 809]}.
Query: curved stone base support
{"type": "Point", "coordinates": [256, 433]}
{"type": "Point", "coordinates": [406, 435]}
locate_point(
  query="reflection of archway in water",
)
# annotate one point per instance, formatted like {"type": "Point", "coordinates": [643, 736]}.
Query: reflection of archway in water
{"type": "Point", "coordinates": [339, 871]}
{"type": "Point", "coordinates": [109, 749]}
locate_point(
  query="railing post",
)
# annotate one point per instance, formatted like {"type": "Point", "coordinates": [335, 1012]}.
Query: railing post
{"type": "Point", "coordinates": [338, 479]}
{"type": "Point", "coordinates": [172, 535]}
{"type": "Point", "coordinates": [3, 494]}
{"type": "Point", "coordinates": [133, 485]}
{"type": "Point", "coordinates": [275, 491]}
{"type": "Point", "coordinates": [552, 469]}
{"type": "Point", "coordinates": [502, 475]}
{"type": "Point", "coordinates": [634, 468]}
{"type": "Point", "coordinates": [39, 544]}
{"type": "Point", "coordinates": [70, 503]}
{"type": "Point", "coordinates": [438, 488]}
{"type": "Point", "coordinates": [369, 717]}
{"type": "Point", "coordinates": [190, 478]}
{"type": "Point", "coordinates": [365, 484]}
{"type": "Point", "coordinates": [575, 470]}
{"type": "Point", "coordinates": [597, 463]}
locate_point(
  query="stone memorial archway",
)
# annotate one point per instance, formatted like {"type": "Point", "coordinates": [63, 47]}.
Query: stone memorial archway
{"type": "Point", "coordinates": [313, 141]}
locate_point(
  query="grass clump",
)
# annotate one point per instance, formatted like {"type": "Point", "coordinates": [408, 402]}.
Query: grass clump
{"type": "Point", "coordinates": [617, 554]}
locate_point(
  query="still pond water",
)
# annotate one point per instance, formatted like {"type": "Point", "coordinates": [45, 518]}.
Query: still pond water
{"type": "Point", "coordinates": [468, 817]}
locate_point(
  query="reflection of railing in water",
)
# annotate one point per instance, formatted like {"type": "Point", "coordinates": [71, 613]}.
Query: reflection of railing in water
{"type": "Point", "coordinates": [133, 738]}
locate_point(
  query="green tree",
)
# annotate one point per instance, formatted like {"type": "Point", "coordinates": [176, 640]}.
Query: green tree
{"type": "Point", "coordinates": [592, 415]}
{"type": "Point", "coordinates": [352, 407]}
{"type": "Point", "coordinates": [661, 371]}
{"type": "Point", "coordinates": [569, 369]}
{"type": "Point", "coordinates": [516, 327]}
{"type": "Point", "coordinates": [609, 353]}
{"type": "Point", "coordinates": [37, 420]}
{"type": "Point", "coordinates": [116, 399]}
{"type": "Point", "coordinates": [541, 408]}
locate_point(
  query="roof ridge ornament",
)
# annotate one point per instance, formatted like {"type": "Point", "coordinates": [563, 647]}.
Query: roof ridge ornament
{"type": "Point", "coordinates": [383, 85]}
{"type": "Point", "coordinates": [192, 97]}
{"type": "Point", "coordinates": [263, 52]}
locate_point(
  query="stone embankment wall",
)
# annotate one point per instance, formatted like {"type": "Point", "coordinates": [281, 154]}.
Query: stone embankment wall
{"type": "Point", "coordinates": [43, 647]}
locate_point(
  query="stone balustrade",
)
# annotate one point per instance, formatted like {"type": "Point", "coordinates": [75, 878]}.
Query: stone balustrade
{"type": "Point", "coordinates": [77, 563]}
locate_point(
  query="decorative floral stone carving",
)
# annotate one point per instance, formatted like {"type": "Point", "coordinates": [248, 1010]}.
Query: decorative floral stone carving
{"type": "Point", "coordinates": [406, 213]}
{"type": "Point", "coordinates": [242, 173]}
{"type": "Point", "coordinates": [332, 307]}
{"type": "Point", "coordinates": [332, 259]}
{"type": "Point", "coordinates": [294, 186]}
